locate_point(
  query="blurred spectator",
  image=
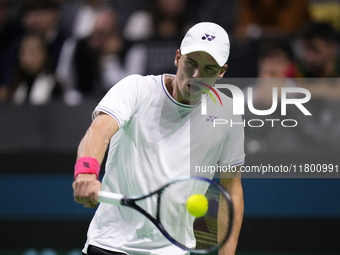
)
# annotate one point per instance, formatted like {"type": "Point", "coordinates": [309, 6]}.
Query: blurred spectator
{"type": "Point", "coordinates": [40, 17]}
{"type": "Point", "coordinates": [92, 65]}
{"type": "Point", "coordinates": [276, 59]}
{"type": "Point", "coordinates": [9, 30]}
{"type": "Point", "coordinates": [320, 59]}
{"type": "Point", "coordinates": [164, 18]}
{"type": "Point", "coordinates": [326, 11]}
{"type": "Point", "coordinates": [270, 18]}
{"type": "Point", "coordinates": [77, 17]}
{"type": "Point", "coordinates": [34, 81]}
{"type": "Point", "coordinates": [320, 56]}
{"type": "Point", "coordinates": [162, 27]}
{"type": "Point", "coordinates": [276, 66]}
{"type": "Point", "coordinates": [222, 12]}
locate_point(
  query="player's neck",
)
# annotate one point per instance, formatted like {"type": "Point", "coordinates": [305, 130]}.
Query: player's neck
{"type": "Point", "coordinates": [171, 85]}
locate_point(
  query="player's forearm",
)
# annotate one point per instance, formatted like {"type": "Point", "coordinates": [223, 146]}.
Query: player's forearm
{"type": "Point", "coordinates": [94, 144]}
{"type": "Point", "coordinates": [231, 245]}
{"type": "Point", "coordinates": [234, 187]}
{"type": "Point", "coordinates": [97, 137]}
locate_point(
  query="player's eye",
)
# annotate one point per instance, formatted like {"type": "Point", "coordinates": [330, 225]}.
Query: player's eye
{"type": "Point", "coordinates": [210, 69]}
{"type": "Point", "coordinates": [192, 63]}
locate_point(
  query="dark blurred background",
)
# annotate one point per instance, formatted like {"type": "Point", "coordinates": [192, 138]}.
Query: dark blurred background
{"type": "Point", "coordinates": [58, 58]}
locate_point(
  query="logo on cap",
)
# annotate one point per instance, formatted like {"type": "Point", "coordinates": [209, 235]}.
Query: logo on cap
{"type": "Point", "coordinates": [208, 37]}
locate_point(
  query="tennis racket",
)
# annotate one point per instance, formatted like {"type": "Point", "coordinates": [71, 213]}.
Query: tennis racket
{"type": "Point", "coordinates": [193, 224]}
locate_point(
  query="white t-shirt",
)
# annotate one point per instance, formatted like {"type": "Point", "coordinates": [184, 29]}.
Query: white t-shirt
{"type": "Point", "coordinates": [158, 140]}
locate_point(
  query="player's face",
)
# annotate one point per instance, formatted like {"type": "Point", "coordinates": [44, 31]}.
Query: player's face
{"type": "Point", "coordinates": [200, 66]}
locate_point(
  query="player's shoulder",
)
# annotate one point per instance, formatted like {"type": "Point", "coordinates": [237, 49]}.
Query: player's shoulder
{"type": "Point", "coordinates": [225, 107]}
{"type": "Point", "coordinates": [141, 78]}
{"type": "Point", "coordinates": [133, 78]}
{"type": "Point", "coordinates": [144, 81]}
{"type": "Point", "coordinates": [227, 101]}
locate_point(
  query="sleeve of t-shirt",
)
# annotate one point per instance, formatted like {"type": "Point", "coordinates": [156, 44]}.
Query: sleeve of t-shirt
{"type": "Point", "coordinates": [233, 151]}
{"type": "Point", "coordinates": [121, 101]}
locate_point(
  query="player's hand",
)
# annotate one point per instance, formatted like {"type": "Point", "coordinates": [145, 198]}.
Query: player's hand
{"type": "Point", "coordinates": [85, 190]}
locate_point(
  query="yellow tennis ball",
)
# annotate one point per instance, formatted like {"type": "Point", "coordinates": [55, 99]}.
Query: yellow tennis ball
{"type": "Point", "coordinates": [197, 205]}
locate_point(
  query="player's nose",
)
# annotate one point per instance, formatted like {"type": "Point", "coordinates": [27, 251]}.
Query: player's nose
{"type": "Point", "coordinates": [197, 73]}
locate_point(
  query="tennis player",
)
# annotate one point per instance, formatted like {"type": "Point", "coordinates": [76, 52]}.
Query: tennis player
{"type": "Point", "coordinates": [155, 132]}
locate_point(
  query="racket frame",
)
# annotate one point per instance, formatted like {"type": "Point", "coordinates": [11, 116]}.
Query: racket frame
{"type": "Point", "coordinates": [118, 199]}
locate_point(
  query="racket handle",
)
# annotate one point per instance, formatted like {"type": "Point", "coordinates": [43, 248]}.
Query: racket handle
{"type": "Point", "coordinates": [109, 198]}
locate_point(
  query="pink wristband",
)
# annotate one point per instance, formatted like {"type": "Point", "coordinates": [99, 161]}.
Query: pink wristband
{"type": "Point", "coordinates": [86, 165]}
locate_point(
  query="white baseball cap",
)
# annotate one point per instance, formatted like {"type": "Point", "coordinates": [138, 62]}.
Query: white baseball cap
{"type": "Point", "coordinates": [210, 38]}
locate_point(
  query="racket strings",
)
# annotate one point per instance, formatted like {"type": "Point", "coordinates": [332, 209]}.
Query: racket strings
{"type": "Point", "coordinates": [196, 233]}
{"type": "Point", "coordinates": [173, 213]}
{"type": "Point", "coordinates": [206, 227]}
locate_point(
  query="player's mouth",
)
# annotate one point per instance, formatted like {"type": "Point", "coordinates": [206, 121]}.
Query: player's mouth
{"type": "Point", "coordinates": [193, 88]}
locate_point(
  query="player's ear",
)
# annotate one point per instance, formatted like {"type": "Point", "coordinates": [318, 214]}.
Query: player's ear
{"type": "Point", "coordinates": [178, 56]}
{"type": "Point", "coordinates": [222, 71]}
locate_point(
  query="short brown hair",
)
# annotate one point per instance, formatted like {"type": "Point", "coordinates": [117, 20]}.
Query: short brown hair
{"type": "Point", "coordinates": [30, 5]}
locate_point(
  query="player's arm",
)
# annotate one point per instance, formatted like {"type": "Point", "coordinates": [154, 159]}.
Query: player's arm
{"type": "Point", "coordinates": [94, 145]}
{"type": "Point", "coordinates": [234, 187]}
